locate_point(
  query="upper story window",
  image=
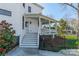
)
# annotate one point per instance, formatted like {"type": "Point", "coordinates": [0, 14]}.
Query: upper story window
{"type": "Point", "coordinates": [29, 9]}
{"type": "Point", "coordinates": [24, 5]}
{"type": "Point", "coordinates": [5, 12]}
{"type": "Point", "coordinates": [22, 22]}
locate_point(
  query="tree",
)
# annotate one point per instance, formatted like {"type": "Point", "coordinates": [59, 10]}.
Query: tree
{"type": "Point", "coordinates": [77, 9]}
{"type": "Point", "coordinates": [62, 27]}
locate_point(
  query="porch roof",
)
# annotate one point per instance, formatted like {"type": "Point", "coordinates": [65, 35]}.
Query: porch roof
{"type": "Point", "coordinates": [41, 16]}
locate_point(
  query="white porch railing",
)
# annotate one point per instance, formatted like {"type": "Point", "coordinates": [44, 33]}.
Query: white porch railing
{"type": "Point", "coordinates": [45, 31]}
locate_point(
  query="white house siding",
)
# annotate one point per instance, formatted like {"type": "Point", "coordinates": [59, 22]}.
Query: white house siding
{"type": "Point", "coordinates": [34, 9]}
{"type": "Point", "coordinates": [18, 11]}
{"type": "Point", "coordinates": [33, 27]}
{"type": "Point", "coordinates": [16, 18]}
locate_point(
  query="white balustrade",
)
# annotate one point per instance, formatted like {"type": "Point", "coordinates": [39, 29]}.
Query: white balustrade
{"type": "Point", "coordinates": [45, 31]}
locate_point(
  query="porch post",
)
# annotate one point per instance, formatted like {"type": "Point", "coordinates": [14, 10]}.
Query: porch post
{"type": "Point", "coordinates": [39, 29]}
{"type": "Point", "coordinates": [49, 27]}
{"type": "Point", "coordinates": [56, 27]}
{"type": "Point", "coordinates": [39, 25]}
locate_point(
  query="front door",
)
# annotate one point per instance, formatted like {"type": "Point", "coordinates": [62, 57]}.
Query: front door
{"type": "Point", "coordinates": [31, 25]}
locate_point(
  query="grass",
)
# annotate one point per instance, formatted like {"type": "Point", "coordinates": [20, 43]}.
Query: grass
{"type": "Point", "coordinates": [71, 41]}
{"type": "Point", "coordinates": [71, 37]}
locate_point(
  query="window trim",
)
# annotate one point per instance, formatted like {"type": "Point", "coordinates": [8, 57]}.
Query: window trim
{"type": "Point", "coordinates": [5, 12]}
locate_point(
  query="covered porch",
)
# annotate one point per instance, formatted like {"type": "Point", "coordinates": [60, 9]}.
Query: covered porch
{"type": "Point", "coordinates": [46, 25]}
{"type": "Point", "coordinates": [37, 25]}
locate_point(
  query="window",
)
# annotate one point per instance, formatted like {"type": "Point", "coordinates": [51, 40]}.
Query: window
{"type": "Point", "coordinates": [23, 22]}
{"type": "Point", "coordinates": [24, 5]}
{"type": "Point", "coordinates": [29, 9]}
{"type": "Point", "coordinates": [26, 24]}
{"type": "Point", "coordinates": [5, 12]}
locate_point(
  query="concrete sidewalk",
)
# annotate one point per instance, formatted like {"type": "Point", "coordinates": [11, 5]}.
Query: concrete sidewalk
{"type": "Point", "coordinates": [26, 52]}
{"type": "Point", "coordinates": [21, 52]}
{"type": "Point", "coordinates": [70, 52]}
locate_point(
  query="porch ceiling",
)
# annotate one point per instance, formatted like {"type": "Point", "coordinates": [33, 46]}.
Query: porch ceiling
{"type": "Point", "coordinates": [41, 17]}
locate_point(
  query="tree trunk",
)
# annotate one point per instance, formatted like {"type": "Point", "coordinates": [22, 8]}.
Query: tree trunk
{"type": "Point", "coordinates": [78, 22]}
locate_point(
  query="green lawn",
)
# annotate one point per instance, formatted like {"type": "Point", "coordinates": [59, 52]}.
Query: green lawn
{"type": "Point", "coordinates": [71, 41]}
{"type": "Point", "coordinates": [71, 37]}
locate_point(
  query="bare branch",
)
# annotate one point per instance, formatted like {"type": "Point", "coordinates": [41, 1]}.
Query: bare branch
{"type": "Point", "coordinates": [71, 5]}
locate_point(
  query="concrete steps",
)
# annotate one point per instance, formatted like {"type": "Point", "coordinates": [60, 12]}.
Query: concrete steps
{"type": "Point", "coordinates": [30, 40]}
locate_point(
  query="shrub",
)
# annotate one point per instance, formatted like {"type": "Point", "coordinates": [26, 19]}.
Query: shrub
{"type": "Point", "coordinates": [7, 35]}
{"type": "Point", "coordinates": [8, 32]}
{"type": "Point", "coordinates": [48, 43]}
{"type": "Point", "coordinates": [57, 43]}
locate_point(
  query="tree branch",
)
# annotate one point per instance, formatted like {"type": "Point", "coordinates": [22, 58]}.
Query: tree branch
{"type": "Point", "coordinates": [72, 6]}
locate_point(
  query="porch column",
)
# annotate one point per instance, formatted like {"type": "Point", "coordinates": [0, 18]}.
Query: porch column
{"type": "Point", "coordinates": [39, 25]}
{"type": "Point", "coordinates": [49, 28]}
{"type": "Point", "coordinates": [39, 29]}
{"type": "Point", "coordinates": [56, 26]}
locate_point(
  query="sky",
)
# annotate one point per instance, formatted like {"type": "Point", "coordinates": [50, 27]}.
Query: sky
{"type": "Point", "coordinates": [58, 11]}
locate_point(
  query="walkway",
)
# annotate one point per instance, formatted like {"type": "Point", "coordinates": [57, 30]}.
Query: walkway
{"type": "Point", "coordinates": [24, 52]}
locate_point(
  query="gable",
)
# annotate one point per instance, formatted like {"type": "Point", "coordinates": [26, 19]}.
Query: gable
{"type": "Point", "coordinates": [38, 5]}
{"type": "Point", "coordinates": [34, 8]}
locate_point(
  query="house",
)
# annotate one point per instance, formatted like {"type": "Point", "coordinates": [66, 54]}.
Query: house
{"type": "Point", "coordinates": [28, 21]}
{"type": "Point", "coordinates": [72, 26]}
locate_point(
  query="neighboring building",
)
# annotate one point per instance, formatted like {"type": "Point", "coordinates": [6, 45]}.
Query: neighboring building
{"type": "Point", "coordinates": [27, 20]}
{"type": "Point", "coordinates": [72, 26]}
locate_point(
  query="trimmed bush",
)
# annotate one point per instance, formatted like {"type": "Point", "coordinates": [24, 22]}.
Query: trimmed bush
{"type": "Point", "coordinates": [57, 43]}
{"type": "Point", "coordinates": [7, 36]}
